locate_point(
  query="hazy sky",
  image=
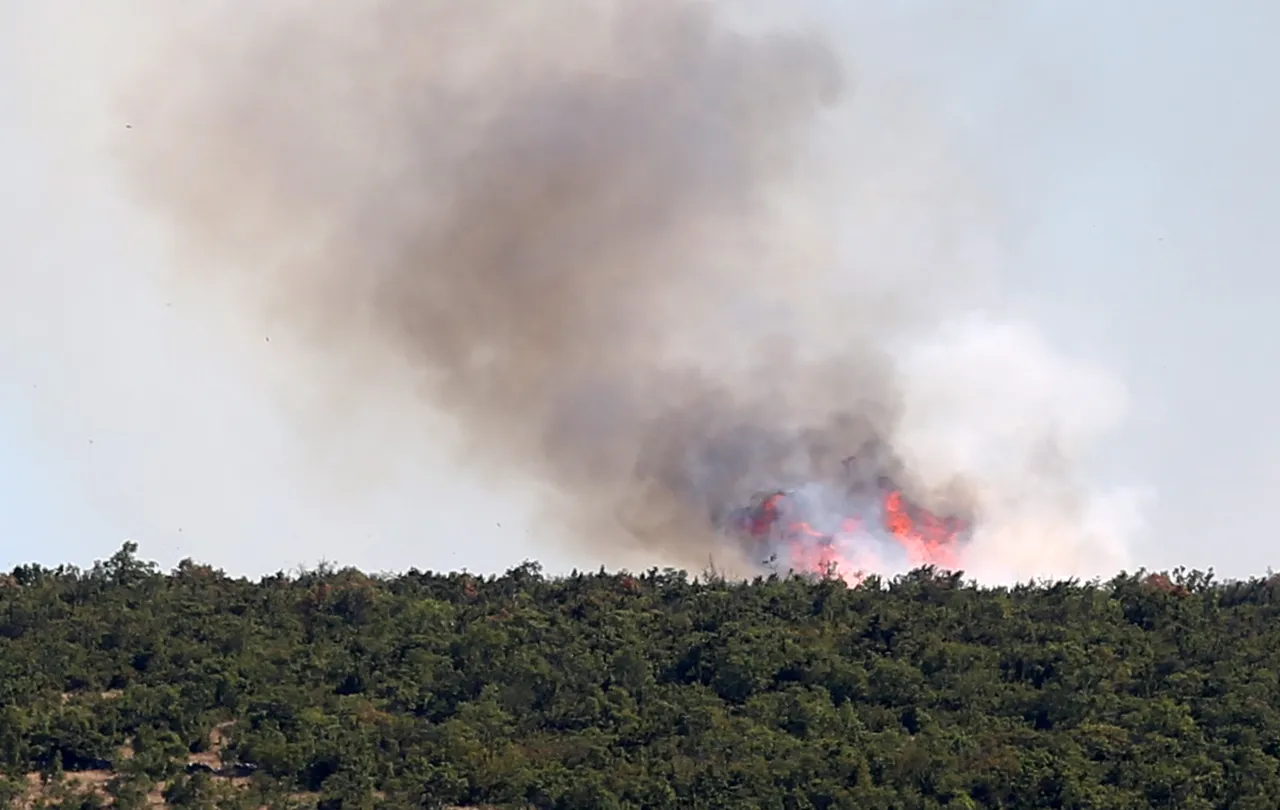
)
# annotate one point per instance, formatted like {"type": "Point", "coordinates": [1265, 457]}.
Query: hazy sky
{"type": "Point", "coordinates": [1134, 143]}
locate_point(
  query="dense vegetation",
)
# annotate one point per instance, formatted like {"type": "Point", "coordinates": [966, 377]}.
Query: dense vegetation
{"type": "Point", "coordinates": [650, 691]}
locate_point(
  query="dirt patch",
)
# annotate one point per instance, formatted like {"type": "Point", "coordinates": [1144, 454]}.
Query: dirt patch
{"type": "Point", "coordinates": [76, 783]}
{"type": "Point", "coordinates": [110, 694]}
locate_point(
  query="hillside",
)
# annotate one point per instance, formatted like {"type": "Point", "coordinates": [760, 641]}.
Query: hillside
{"type": "Point", "coordinates": [123, 684]}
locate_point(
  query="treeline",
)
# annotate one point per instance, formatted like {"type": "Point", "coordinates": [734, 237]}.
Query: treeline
{"type": "Point", "coordinates": [337, 689]}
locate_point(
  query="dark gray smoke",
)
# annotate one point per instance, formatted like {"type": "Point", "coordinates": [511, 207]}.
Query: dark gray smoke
{"type": "Point", "coordinates": [572, 227]}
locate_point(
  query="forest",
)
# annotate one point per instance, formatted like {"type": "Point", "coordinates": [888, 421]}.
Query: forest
{"type": "Point", "coordinates": [122, 685]}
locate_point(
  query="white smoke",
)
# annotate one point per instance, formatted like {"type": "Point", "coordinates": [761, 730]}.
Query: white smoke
{"type": "Point", "coordinates": [990, 402]}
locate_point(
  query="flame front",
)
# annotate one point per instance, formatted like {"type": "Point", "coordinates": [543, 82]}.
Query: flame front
{"type": "Point", "coordinates": [928, 539]}
{"type": "Point", "coordinates": [849, 550]}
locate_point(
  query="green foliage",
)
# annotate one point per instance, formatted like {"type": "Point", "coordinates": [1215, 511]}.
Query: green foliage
{"type": "Point", "coordinates": [10, 791]}
{"type": "Point", "coordinates": [129, 791]}
{"type": "Point", "coordinates": [336, 689]}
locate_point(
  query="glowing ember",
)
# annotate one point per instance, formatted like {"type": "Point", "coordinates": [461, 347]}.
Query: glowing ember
{"type": "Point", "coordinates": [782, 522]}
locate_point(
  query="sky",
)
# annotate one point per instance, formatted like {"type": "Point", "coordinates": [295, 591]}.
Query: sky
{"type": "Point", "coordinates": [1134, 144]}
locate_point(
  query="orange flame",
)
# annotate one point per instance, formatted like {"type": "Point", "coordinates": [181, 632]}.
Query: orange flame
{"type": "Point", "coordinates": [926, 538]}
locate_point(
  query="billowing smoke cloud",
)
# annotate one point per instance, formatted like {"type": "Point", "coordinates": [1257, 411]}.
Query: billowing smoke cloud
{"type": "Point", "coordinates": [602, 237]}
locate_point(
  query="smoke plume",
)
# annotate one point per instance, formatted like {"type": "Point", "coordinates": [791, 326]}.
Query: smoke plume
{"type": "Point", "coordinates": [607, 239]}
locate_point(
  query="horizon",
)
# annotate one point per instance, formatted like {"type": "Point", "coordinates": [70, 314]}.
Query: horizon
{"type": "Point", "coordinates": [709, 574]}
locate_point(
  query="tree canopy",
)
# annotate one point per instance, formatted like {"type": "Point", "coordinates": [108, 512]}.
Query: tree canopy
{"type": "Point", "coordinates": [615, 690]}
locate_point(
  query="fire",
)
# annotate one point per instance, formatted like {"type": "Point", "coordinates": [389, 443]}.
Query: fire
{"type": "Point", "coordinates": [849, 549]}
{"type": "Point", "coordinates": [928, 539]}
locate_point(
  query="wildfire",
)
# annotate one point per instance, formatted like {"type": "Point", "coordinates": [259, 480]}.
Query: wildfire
{"type": "Point", "coordinates": [849, 548]}
{"type": "Point", "coordinates": [928, 539]}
